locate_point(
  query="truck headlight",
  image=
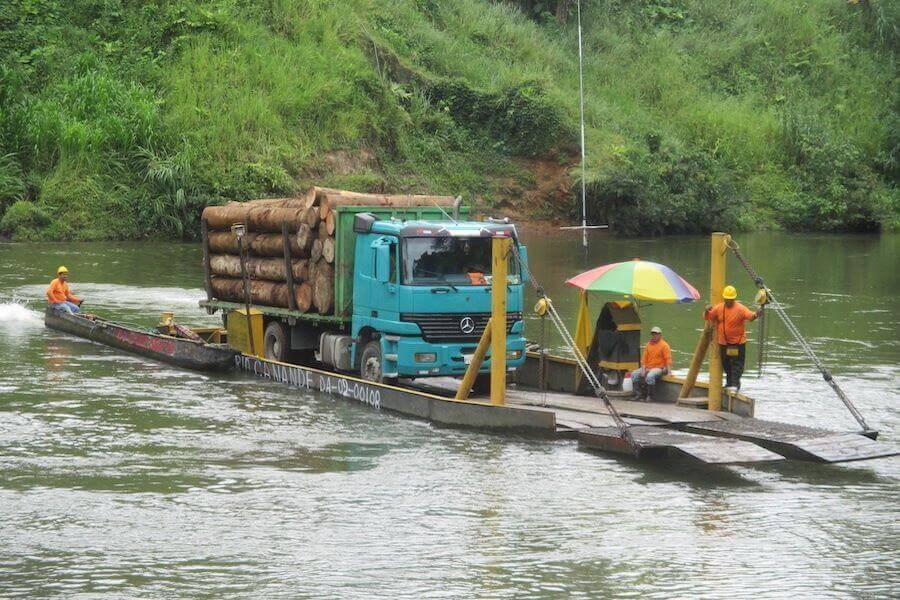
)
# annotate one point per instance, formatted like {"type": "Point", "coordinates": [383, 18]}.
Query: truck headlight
{"type": "Point", "coordinates": [426, 357]}
{"type": "Point", "coordinates": [514, 355]}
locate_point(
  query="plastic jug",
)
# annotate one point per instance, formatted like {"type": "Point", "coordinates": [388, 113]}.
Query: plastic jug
{"type": "Point", "coordinates": [627, 385]}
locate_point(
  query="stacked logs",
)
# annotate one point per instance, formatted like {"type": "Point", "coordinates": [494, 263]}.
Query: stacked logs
{"type": "Point", "coordinates": [289, 245]}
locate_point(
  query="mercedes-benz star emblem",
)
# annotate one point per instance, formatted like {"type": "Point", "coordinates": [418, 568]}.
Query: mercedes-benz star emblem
{"type": "Point", "coordinates": [467, 325]}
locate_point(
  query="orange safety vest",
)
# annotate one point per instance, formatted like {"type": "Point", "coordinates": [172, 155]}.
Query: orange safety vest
{"type": "Point", "coordinates": [59, 292]}
{"type": "Point", "coordinates": [730, 322]}
{"type": "Point", "coordinates": [657, 356]}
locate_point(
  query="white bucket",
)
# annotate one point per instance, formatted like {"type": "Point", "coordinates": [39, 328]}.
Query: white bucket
{"type": "Point", "coordinates": [627, 385]}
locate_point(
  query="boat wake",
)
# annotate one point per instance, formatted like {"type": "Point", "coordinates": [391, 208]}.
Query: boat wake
{"type": "Point", "coordinates": [113, 296]}
{"type": "Point", "coordinates": [16, 316]}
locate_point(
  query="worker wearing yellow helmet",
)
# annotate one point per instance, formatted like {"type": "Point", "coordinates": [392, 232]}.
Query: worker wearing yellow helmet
{"type": "Point", "coordinates": [59, 295]}
{"type": "Point", "coordinates": [729, 317]}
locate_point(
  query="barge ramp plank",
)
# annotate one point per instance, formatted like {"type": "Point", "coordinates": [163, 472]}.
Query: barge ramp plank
{"type": "Point", "coordinates": [659, 442]}
{"type": "Point", "coordinates": [796, 441]}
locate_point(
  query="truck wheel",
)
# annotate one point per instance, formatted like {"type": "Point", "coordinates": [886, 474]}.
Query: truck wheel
{"type": "Point", "coordinates": [482, 384]}
{"type": "Point", "coordinates": [370, 362]}
{"type": "Point", "coordinates": [276, 342]}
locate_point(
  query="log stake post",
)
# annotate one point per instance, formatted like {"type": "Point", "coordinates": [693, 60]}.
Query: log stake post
{"type": "Point", "coordinates": [239, 229]}
{"type": "Point", "coordinates": [288, 266]}
{"type": "Point", "coordinates": [465, 387]}
{"type": "Point", "coordinates": [717, 266]}
{"type": "Point", "coordinates": [499, 259]}
{"type": "Point", "coordinates": [207, 275]}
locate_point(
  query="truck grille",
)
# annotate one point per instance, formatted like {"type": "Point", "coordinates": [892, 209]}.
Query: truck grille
{"type": "Point", "coordinates": [455, 326]}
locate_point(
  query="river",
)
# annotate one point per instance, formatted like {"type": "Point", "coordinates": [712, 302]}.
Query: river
{"type": "Point", "coordinates": [125, 478]}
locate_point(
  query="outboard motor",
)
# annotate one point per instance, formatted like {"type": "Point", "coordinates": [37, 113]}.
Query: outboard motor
{"type": "Point", "coordinates": [616, 346]}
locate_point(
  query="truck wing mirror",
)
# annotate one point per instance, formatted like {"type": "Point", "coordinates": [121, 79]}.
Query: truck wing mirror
{"type": "Point", "coordinates": [382, 248]}
{"type": "Point", "coordinates": [524, 270]}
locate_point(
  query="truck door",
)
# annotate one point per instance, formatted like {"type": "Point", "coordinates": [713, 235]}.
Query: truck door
{"type": "Point", "coordinates": [384, 299]}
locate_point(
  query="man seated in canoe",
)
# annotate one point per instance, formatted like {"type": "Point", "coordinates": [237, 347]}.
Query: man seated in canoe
{"type": "Point", "coordinates": [655, 362]}
{"type": "Point", "coordinates": [59, 295]}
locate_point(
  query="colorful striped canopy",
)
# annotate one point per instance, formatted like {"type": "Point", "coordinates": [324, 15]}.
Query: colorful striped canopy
{"type": "Point", "coordinates": [637, 278]}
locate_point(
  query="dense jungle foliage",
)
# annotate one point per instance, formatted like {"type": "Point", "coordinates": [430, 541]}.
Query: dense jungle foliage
{"type": "Point", "coordinates": [123, 118]}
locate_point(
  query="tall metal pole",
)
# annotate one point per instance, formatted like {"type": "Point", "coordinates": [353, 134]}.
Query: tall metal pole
{"type": "Point", "coordinates": [584, 241]}
{"type": "Point", "coordinates": [719, 247]}
{"type": "Point", "coordinates": [499, 258]}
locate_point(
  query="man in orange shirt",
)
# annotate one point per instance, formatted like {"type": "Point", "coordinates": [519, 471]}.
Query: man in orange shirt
{"type": "Point", "coordinates": [655, 362]}
{"type": "Point", "coordinates": [729, 317]}
{"type": "Point", "coordinates": [59, 296]}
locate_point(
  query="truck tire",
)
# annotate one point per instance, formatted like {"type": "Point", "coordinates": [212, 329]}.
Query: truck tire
{"type": "Point", "coordinates": [276, 343]}
{"type": "Point", "coordinates": [482, 384]}
{"type": "Point", "coordinates": [370, 362]}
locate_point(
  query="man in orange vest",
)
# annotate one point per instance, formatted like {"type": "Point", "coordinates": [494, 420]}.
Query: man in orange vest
{"type": "Point", "coordinates": [729, 318]}
{"type": "Point", "coordinates": [655, 362]}
{"type": "Point", "coordinates": [59, 296]}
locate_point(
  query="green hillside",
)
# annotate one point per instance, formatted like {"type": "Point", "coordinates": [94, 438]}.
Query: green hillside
{"type": "Point", "coordinates": [122, 119]}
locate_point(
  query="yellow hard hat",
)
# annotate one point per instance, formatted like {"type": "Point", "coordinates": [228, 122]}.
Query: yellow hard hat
{"type": "Point", "coordinates": [729, 293]}
{"type": "Point", "coordinates": [61, 269]}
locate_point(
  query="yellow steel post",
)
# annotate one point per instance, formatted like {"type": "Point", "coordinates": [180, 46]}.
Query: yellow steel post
{"type": "Point", "coordinates": [500, 253]}
{"type": "Point", "coordinates": [716, 283]}
{"type": "Point", "coordinates": [696, 362]}
{"type": "Point", "coordinates": [465, 387]}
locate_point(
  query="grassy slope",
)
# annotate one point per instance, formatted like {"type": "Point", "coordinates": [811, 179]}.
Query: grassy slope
{"type": "Point", "coordinates": [122, 119]}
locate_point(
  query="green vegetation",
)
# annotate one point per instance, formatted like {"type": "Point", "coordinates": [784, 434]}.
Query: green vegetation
{"type": "Point", "coordinates": [123, 119]}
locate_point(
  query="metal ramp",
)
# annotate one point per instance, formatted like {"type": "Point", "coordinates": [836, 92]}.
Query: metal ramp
{"type": "Point", "coordinates": [658, 442]}
{"type": "Point", "coordinates": [796, 441]}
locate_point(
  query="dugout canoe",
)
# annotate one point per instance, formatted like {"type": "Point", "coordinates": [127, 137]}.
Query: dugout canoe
{"type": "Point", "coordinates": [181, 352]}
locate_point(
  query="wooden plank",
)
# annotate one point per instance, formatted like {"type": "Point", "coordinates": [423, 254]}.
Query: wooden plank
{"type": "Point", "coordinates": [288, 266]}
{"type": "Point", "coordinates": [797, 441]}
{"type": "Point", "coordinates": [659, 442]}
{"type": "Point", "coordinates": [207, 274]}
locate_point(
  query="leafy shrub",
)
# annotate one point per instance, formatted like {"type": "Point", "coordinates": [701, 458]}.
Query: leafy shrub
{"type": "Point", "coordinates": [666, 192]}
{"type": "Point", "coordinates": [24, 220]}
{"type": "Point", "coordinates": [520, 119]}
{"type": "Point", "coordinates": [12, 182]}
{"type": "Point", "coordinates": [838, 190]}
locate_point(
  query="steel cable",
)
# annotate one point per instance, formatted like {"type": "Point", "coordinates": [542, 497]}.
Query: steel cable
{"type": "Point", "coordinates": [792, 328]}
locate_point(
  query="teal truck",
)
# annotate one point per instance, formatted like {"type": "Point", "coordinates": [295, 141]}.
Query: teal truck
{"type": "Point", "coordinates": [412, 297]}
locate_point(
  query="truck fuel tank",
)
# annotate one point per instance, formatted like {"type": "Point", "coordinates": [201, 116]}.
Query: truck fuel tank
{"type": "Point", "coordinates": [334, 350]}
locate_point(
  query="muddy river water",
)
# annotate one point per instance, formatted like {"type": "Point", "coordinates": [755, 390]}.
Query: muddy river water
{"type": "Point", "coordinates": [120, 477]}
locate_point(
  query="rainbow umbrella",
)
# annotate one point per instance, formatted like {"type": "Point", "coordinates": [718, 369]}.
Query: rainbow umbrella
{"type": "Point", "coordinates": [637, 278]}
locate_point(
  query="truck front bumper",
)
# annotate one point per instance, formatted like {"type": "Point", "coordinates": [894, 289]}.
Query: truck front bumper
{"type": "Point", "coordinates": [405, 356]}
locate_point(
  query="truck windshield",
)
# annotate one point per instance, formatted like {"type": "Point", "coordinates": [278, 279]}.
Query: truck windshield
{"type": "Point", "coordinates": [450, 260]}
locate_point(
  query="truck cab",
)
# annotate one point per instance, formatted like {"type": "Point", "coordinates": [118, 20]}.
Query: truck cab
{"type": "Point", "coordinates": [422, 296]}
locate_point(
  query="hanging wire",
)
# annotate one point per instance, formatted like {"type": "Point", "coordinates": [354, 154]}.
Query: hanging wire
{"type": "Point", "coordinates": [586, 370]}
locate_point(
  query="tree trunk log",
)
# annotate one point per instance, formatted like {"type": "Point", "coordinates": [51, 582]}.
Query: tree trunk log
{"type": "Point", "coordinates": [259, 244]}
{"type": "Point", "coordinates": [312, 217]}
{"type": "Point", "coordinates": [260, 217]}
{"type": "Point", "coordinates": [323, 288]}
{"type": "Point", "coordinates": [265, 293]}
{"type": "Point", "coordinates": [316, 252]}
{"type": "Point", "coordinates": [304, 296]}
{"type": "Point", "coordinates": [269, 269]}
{"type": "Point", "coordinates": [322, 231]}
{"type": "Point", "coordinates": [324, 195]}
{"type": "Point", "coordinates": [330, 222]}
{"type": "Point", "coordinates": [328, 249]}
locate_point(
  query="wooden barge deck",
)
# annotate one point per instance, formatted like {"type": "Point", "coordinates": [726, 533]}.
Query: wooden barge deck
{"type": "Point", "coordinates": [660, 429]}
